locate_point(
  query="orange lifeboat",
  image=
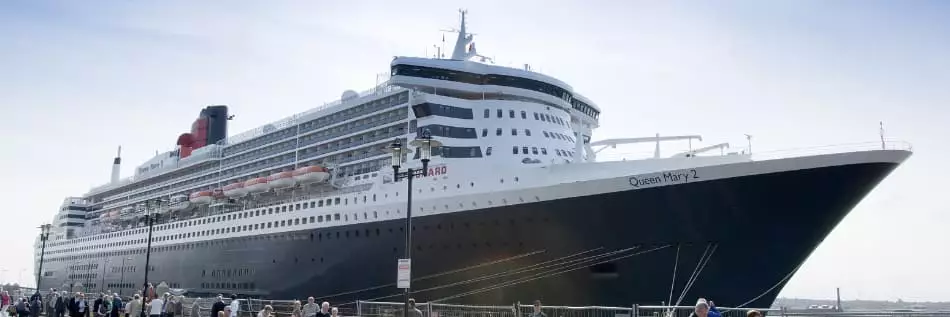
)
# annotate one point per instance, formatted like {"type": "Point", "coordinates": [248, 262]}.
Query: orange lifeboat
{"type": "Point", "coordinates": [281, 180]}
{"type": "Point", "coordinates": [201, 197]}
{"type": "Point", "coordinates": [234, 190]}
{"type": "Point", "coordinates": [311, 174]}
{"type": "Point", "coordinates": [256, 185]}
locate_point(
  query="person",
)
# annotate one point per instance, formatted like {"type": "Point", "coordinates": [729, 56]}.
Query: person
{"type": "Point", "coordinates": [414, 312]}
{"type": "Point", "coordinates": [235, 305]}
{"type": "Point", "coordinates": [4, 300]}
{"type": "Point", "coordinates": [22, 308]}
{"type": "Point", "coordinates": [78, 307]}
{"type": "Point", "coordinates": [134, 307]}
{"type": "Point", "coordinates": [177, 307]}
{"type": "Point", "coordinates": [311, 308]}
{"type": "Point", "coordinates": [324, 310]}
{"type": "Point", "coordinates": [117, 305]}
{"type": "Point", "coordinates": [195, 309]}
{"type": "Point", "coordinates": [701, 309]}
{"type": "Point", "coordinates": [266, 312]}
{"type": "Point", "coordinates": [36, 305]}
{"type": "Point", "coordinates": [537, 310]}
{"type": "Point", "coordinates": [225, 312]}
{"type": "Point", "coordinates": [297, 311]}
{"type": "Point", "coordinates": [155, 307]}
{"type": "Point", "coordinates": [96, 304]}
{"type": "Point", "coordinates": [59, 307]}
{"type": "Point", "coordinates": [218, 306]}
{"type": "Point", "coordinates": [753, 313]}
{"type": "Point", "coordinates": [105, 307]}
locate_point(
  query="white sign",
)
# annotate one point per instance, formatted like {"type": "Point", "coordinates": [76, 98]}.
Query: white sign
{"type": "Point", "coordinates": [403, 273]}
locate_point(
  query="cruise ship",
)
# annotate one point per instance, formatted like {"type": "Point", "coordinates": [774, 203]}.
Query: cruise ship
{"type": "Point", "coordinates": [515, 205]}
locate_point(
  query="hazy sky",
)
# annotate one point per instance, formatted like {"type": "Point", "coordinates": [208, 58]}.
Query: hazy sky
{"type": "Point", "coordinates": [78, 78]}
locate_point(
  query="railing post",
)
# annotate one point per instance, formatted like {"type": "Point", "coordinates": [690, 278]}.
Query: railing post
{"type": "Point", "coordinates": [359, 308]}
{"type": "Point", "coordinates": [635, 311]}
{"type": "Point", "coordinates": [518, 309]}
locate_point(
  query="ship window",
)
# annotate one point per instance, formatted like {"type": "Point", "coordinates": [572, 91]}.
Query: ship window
{"type": "Point", "coordinates": [514, 131]}
{"type": "Point", "coordinates": [511, 114]}
{"type": "Point", "coordinates": [498, 131]}
{"type": "Point", "coordinates": [374, 196]}
{"type": "Point", "coordinates": [524, 114]}
{"type": "Point", "coordinates": [336, 217]}
{"type": "Point", "coordinates": [297, 207]}
{"type": "Point", "coordinates": [534, 150]}
{"type": "Point", "coordinates": [544, 151]}
{"type": "Point", "coordinates": [488, 151]}
{"type": "Point", "coordinates": [527, 132]}
{"type": "Point", "coordinates": [283, 209]}
{"type": "Point", "coordinates": [499, 113]}
{"type": "Point", "coordinates": [487, 112]}
{"type": "Point", "coordinates": [297, 221]}
{"type": "Point", "coordinates": [270, 211]}
{"type": "Point", "coordinates": [336, 201]}
{"type": "Point", "coordinates": [320, 203]}
{"type": "Point", "coordinates": [311, 219]}
{"type": "Point", "coordinates": [269, 225]}
{"type": "Point", "coordinates": [524, 150]}
{"type": "Point", "coordinates": [484, 132]}
{"type": "Point", "coordinates": [329, 201]}
{"type": "Point", "coordinates": [536, 116]}
{"type": "Point", "coordinates": [514, 149]}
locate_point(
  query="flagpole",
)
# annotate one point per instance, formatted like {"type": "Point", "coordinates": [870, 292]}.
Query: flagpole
{"type": "Point", "coordinates": [882, 136]}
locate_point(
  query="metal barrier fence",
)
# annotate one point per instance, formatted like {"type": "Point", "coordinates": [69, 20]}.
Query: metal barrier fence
{"type": "Point", "coordinates": [285, 308]}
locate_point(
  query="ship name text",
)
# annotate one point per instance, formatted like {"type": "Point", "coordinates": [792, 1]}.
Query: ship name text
{"type": "Point", "coordinates": [672, 177]}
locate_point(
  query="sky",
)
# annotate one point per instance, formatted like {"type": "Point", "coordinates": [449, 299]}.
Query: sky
{"type": "Point", "coordinates": [78, 79]}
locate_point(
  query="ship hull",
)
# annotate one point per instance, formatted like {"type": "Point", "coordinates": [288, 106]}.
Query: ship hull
{"type": "Point", "coordinates": [744, 236]}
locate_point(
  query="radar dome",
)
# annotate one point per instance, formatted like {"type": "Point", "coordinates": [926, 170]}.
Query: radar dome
{"type": "Point", "coordinates": [349, 94]}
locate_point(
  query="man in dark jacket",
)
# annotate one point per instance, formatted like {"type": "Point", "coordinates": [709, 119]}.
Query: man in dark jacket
{"type": "Point", "coordinates": [116, 305]}
{"type": "Point", "coordinates": [217, 306]}
{"type": "Point", "coordinates": [60, 306]}
{"type": "Point", "coordinates": [97, 302]}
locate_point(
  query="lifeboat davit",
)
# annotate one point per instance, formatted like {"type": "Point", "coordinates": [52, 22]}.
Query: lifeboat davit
{"type": "Point", "coordinates": [202, 197]}
{"type": "Point", "coordinates": [234, 190]}
{"type": "Point", "coordinates": [256, 185]}
{"type": "Point", "coordinates": [311, 174]}
{"type": "Point", "coordinates": [281, 180]}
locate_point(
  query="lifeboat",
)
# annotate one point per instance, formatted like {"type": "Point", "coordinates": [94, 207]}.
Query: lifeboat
{"type": "Point", "coordinates": [178, 202]}
{"type": "Point", "coordinates": [234, 190]}
{"type": "Point", "coordinates": [311, 174]}
{"type": "Point", "coordinates": [256, 185]}
{"type": "Point", "coordinates": [217, 193]}
{"type": "Point", "coordinates": [281, 180]}
{"type": "Point", "coordinates": [202, 197]}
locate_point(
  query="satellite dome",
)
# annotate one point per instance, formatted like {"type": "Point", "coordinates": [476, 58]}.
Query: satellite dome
{"type": "Point", "coordinates": [349, 94]}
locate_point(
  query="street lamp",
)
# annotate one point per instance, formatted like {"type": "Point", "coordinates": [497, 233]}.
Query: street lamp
{"type": "Point", "coordinates": [424, 143]}
{"type": "Point", "coordinates": [150, 217]}
{"type": "Point", "coordinates": [102, 285]}
{"type": "Point", "coordinates": [122, 276]}
{"type": "Point", "coordinates": [44, 235]}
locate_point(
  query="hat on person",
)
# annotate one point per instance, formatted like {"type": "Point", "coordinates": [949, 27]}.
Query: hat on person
{"type": "Point", "coordinates": [702, 303]}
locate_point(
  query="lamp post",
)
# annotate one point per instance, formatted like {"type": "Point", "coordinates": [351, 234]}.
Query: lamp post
{"type": "Point", "coordinates": [425, 144]}
{"type": "Point", "coordinates": [122, 276]}
{"type": "Point", "coordinates": [44, 235]}
{"type": "Point", "coordinates": [150, 217]}
{"type": "Point", "coordinates": [102, 285]}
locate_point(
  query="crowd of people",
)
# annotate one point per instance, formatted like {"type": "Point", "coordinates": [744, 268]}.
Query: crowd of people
{"type": "Point", "coordinates": [63, 304]}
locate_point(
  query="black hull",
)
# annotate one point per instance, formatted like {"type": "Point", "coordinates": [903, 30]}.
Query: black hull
{"type": "Point", "coordinates": [756, 230]}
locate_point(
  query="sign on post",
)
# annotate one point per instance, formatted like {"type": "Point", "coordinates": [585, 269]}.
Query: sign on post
{"type": "Point", "coordinates": [403, 273]}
